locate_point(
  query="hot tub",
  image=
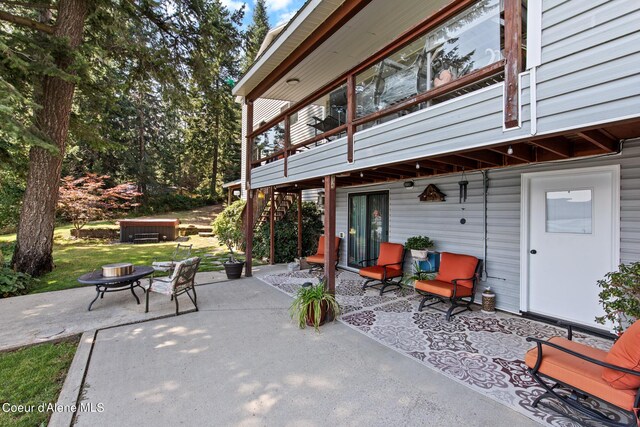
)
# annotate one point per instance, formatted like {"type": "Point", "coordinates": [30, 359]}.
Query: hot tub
{"type": "Point", "coordinates": [148, 230]}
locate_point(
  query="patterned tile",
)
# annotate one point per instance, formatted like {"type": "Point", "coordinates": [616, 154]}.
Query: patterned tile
{"type": "Point", "coordinates": [482, 351]}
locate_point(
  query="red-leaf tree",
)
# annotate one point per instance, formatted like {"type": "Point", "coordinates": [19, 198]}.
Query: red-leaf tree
{"type": "Point", "coordinates": [85, 199]}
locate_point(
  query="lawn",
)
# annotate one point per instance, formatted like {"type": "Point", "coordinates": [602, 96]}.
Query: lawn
{"type": "Point", "coordinates": [74, 257]}
{"type": "Point", "coordinates": [32, 376]}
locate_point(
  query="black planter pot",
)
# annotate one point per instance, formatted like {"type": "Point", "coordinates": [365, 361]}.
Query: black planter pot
{"type": "Point", "coordinates": [233, 269]}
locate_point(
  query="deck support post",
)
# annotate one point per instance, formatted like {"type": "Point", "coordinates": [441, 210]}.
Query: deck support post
{"type": "Point", "coordinates": [272, 225]}
{"type": "Point", "coordinates": [330, 232]}
{"type": "Point", "coordinates": [299, 200]}
{"type": "Point", "coordinates": [513, 56]}
{"type": "Point", "coordinates": [249, 192]}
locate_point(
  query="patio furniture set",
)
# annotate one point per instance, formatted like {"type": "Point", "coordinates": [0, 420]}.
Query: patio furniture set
{"type": "Point", "coordinates": [568, 371]}
{"type": "Point", "coordinates": [182, 269]}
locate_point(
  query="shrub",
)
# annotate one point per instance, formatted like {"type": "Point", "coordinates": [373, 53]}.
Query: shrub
{"type": "Point", "coordinates": [168, 202]}
{"type": "Point", "coordinates": [286, 234]}
{"type": "Point", "coordinates": [620, 296]}
{"type": "Point", "coordinates": [228, 226]}
{"type": "Point", "coordinates": [13, 283]}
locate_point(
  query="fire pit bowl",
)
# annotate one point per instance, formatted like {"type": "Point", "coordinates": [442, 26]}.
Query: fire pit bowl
{"type": "Point", "coordinates": [117, 270]}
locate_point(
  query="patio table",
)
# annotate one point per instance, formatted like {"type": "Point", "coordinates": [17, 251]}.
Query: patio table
{"type": "Point", "coordinates": [115, 284]}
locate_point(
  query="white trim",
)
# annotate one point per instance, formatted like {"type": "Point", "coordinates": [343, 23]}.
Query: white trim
{"type": "Point", "coordinates": [525, 185]}
{"type": "Point", "coordinates": [534, 33]}
{"type": "Point", "coordinates": [504, 97]}
{"type": "Point", "coordinates": [533, 100]}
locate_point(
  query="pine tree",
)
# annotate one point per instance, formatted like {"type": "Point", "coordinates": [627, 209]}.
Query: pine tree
{"type": "Point", "coordinates": [256, 32]}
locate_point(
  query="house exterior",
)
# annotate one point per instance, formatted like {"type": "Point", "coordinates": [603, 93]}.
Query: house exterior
{"type": "Point", "coordinates": [535, 104]}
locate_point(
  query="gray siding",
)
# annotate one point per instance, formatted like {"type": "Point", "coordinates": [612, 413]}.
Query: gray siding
{"type": "Point", "coordinates": [590, 70]}
{"type": "Point", "coordinates": [441, 221]}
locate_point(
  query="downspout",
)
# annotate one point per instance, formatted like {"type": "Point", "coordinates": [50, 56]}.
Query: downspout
{"type": "Point", "coordinates": [485, 187]}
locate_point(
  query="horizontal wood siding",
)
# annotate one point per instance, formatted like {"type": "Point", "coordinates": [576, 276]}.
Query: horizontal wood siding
{"type": "Point", "coordinates": [590, 70]}
{"type": "Point", "coordinates": [441, 221]}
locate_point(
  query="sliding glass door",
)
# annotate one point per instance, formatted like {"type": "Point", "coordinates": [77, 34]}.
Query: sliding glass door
{"type": "Point", "coordinates": [368, 225]}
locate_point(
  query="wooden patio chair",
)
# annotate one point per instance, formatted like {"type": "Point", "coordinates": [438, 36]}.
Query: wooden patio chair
{"type": "Point", "coordinates": [455, 281]}
{"type": "Point", "coordinates": [317, 260]}
{"type": "Point", "coordinates": [182, 281]}
{"type": "Point", "coordinates": [587, 372]}
{"type": "Point", "coordinates": [180, 253]}
{"type": "Point", "coordinates": [388, 267]}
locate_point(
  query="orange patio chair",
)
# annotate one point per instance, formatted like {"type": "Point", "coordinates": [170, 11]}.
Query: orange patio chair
{"type": "Point", "coordinates": [388, 266]}
{"type": "Point", "coordinates": [317, 260]}
{"type": "Point", "coordinates": [590, 373]}
{"type": "Point", "coordinates": [455, 281]}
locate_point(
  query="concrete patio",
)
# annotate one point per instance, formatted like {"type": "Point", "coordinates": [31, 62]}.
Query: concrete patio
{"type": "Point", "coordinates": [241, 361]}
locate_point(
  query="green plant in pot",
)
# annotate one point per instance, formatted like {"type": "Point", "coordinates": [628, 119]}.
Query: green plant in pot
{"type": "Point", "coordinates": [312, 305]}
{"type": "Point", "coordinates": [620, 296]}
{"type": "Point", "coordinates": [228, 229]}
{"type": "Point", "coordinates": [419, 246]}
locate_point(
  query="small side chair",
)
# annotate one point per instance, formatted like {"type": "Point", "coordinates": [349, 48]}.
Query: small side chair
{"type": "Point", "coordinates": [182, 281]}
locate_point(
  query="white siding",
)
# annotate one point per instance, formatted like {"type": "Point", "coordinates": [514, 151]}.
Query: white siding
{"type": "Point", "coordinates": [441, 221]}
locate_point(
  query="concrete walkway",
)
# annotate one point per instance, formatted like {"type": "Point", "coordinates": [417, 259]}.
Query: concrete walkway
{"type": "Point", "coordinates": [241, 361]}
{"type": "Point", "coordinates": [51, 315]}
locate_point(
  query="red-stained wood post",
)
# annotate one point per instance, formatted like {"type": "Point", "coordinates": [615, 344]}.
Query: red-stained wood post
{"type": "Point", "coordinates": [249, 192]}
{"type": "Point", "coordinates": [330, 232]}
{"type": "Point", "coordinates": [299, 197]}
{"type": "Point", "coordinates": [272, 226]}
{"type": "Point", "coordinates": [287, 143]}
{"type": "Point", "coordinates": [351, 114]}
{"type": "Point", "coordinates": [514, 64]}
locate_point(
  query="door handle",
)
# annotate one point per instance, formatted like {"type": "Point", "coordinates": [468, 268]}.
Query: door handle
{"type": "Point", "coordinates": [533, 252]}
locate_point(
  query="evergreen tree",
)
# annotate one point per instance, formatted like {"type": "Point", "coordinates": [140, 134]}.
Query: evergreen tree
{"type": "Point", "coordinates": [256, 32]}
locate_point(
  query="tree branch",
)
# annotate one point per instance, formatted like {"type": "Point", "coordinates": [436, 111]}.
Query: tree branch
{"type": "Point", "coordinates": [25, 22]}
{"type": "Point", "coordinates": [151, 16]}
{"type": "Point", "coordinates": [30, 5]}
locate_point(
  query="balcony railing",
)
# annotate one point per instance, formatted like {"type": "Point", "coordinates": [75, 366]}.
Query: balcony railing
{"type": "Point", "coordinates": [456, 55]}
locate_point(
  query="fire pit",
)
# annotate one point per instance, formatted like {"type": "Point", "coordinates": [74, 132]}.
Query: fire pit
{"type": "Point", "coordinates": [117, 270]}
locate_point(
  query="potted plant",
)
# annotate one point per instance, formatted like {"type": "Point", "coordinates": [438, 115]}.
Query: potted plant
{"type": "Point", "coordinates": [417, 274]}
{"type": "Point", "coordinates": [312, 304]}
{"type": "Point", "coordinates": [228, 229]}
{"type": "Point", "coordinates": [620, 296]}
{"type": "Point", "coordinates": [419, 246]}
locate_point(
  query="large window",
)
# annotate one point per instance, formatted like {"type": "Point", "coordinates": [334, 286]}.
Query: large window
{"type": "Point", "coordinates": [465, 43]}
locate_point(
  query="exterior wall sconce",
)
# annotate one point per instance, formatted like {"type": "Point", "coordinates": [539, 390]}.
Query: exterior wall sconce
{"type": "Point", "coordinates": [260, 194]}
{"type": "Point", "coordinates": [408, 185]}
{"type": "Point", "coordinates": [321, 199]}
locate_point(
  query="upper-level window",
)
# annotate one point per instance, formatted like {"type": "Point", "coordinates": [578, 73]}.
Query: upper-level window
{"type": "Point", "coordinates": [466, 43]}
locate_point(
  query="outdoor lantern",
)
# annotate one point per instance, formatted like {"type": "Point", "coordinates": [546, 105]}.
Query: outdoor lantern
{"type": "Point", "coordinates": [260, 194]}
{"type": "Point", "coordinates": [463, 188]}
{"type": "Point", "coordinates": [321, 198]}
{"type": "Point", "coordinates": [408, 185]}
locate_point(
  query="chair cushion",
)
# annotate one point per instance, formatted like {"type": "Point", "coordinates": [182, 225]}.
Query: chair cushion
{"type": "Point", "coordinates": [315, 259]}
{"type": "Point", "coordinates": [377, 273]}
{"type": "Point", "coordinates": [456, 266]}
{"type": "Point", "coordinates": [443, 289]}
{"type": "Point", "coordinates": [390, 253]}
{"type": "Point", "coordinates": [161, 285]}
{"type": "Point", "coordinates": [320, 250]}
{"type": "Point", "coordinates": [626, 354]}
{"type": "Point", "coordinates": [579, 373]}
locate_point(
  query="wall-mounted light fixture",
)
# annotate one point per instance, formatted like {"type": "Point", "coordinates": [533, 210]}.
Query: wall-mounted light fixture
{"type": "Point", "coordinates": [408, 185]}
{"type": "Point", "coordinates": [321, 198]}
{"type": "Point", "coordinates": [260, 194]}
{"type": "Point", "coordinates": [293, 81]}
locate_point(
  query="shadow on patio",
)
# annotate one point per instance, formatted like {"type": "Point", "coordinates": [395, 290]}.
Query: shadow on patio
{"type": "Point", "coordinates": [483, 351]}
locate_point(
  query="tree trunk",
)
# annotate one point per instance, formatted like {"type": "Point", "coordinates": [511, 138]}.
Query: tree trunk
{"type": "Point", "coordinates": [33, 253]}
{"type": "Point", "coordinates": [142, 176]}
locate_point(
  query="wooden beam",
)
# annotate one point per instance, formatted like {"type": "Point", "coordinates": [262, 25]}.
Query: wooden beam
{"type": "Point", "coordinates": [287, 143]}
{"type": "Point", "coordinates": [326, 29]}
{"type": "Point", "coordinates": [436, 166]}
{"type": "Point", "coordinates": [484, 156]}
{"type": "Point", "coordinates": [272, 225]}
{"type": "Point", "coordinates": [600, 140]}
{"type": "Point", "coordinates": [457, 161]}
{"type": "Point", "coordinates": [351, 114]}
{"type": "Point", "coordinates": [248, 238]}
{"type": "Point", "coordinates": [559, 146]}
{"type": "Point", "coordinates": [522, 152]}
{"type": "Point", "coordinates": [299, 200]}
{"type": "Point", "coordinates": [513, 56]}
{"type": "Point", "coordinates": [330, 232]}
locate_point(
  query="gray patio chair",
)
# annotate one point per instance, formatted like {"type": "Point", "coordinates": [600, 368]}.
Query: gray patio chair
{"type": "Point", "coordinates": [181, 253]}
{"type": "Point", "coordinates": [182, 281]}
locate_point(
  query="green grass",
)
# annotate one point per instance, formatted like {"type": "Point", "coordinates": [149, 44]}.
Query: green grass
{"type": "Point", "coordinates": [74, 257]}
{"type": "Point", "coordinates": [32, 376]}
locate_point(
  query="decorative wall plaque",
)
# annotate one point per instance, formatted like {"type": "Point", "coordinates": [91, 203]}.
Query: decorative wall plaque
{"type": "Point", "coordinates": [432, 194]}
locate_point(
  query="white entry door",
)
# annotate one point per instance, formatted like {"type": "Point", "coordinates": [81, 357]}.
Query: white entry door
{"type": "Point", "coordinates": [572, 241]}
